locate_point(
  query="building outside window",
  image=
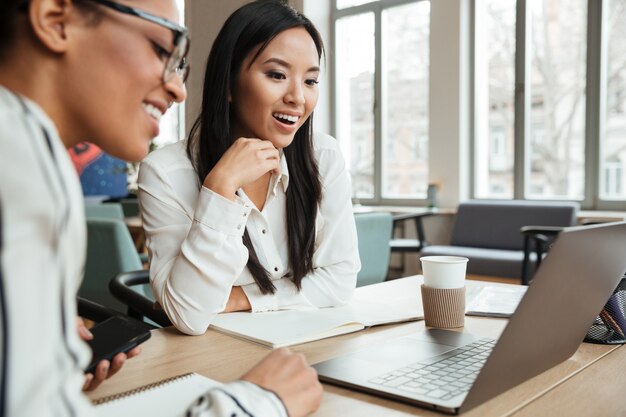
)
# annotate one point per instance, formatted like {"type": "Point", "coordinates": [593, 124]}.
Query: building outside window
{"type": "Point", "coordinates": [554, 86]}
{"type": "Point", "coordinates": [381, 96]}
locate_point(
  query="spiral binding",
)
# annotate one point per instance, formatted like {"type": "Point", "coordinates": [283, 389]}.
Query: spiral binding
{"type": "Point", "coordinates": [141, 389]}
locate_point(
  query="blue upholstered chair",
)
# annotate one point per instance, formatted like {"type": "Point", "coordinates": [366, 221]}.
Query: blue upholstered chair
{"type": "Point", "coordinates": [104, 211]}
{"type": "Point", "coordinates": [374, 233]}
{"type": "Point", "coordinates": [489, 234]}
{"type": "Point", "coordinates": [117, 211]}
{"type": "Point", "coordinates": [110, 251]}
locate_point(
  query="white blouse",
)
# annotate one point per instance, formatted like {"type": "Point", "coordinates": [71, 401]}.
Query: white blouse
{"type": "Point", "coordinates": [43, 255]}
{"type": "Point", "coordinates": [194, 238]}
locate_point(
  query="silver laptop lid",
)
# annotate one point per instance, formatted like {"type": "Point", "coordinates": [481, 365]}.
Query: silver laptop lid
{"type": "Point", "coordinates": [567, 293]}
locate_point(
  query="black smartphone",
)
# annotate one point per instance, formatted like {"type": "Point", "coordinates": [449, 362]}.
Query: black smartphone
{"type": "Point", "coordinates": [114, 335]}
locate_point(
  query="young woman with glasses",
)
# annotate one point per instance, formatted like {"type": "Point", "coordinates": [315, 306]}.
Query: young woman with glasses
{"type": "Point", "coordinates": [253, 212]}
{"type": "Point", "coordinates": [102, 71]}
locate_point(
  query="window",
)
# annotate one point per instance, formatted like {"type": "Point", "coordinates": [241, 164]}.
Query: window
{"type": "Point", "coordinates": [381, 96]}
{"type": "Point", "coordinates": [549, 100]}
{"type": "Point", "coordinates": [171, 127]}
{"type": "Point", "coordinates": [355, 98]}
{"type": "Point", "coordinates": [613, 146]}
{"type": "Point", "coordinates": [494, 87]}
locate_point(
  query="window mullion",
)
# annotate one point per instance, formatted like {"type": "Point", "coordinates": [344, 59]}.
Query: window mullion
{"type": "Point", "coordinates": [522, 97]}
{"type": "Point", "coordinates": [378, 102]}
{"type": "Point", "coordinates": [596, 99]}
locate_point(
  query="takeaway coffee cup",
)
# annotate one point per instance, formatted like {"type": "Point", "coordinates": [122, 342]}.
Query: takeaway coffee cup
{"type": "Point", "coordinates": [443, 291]}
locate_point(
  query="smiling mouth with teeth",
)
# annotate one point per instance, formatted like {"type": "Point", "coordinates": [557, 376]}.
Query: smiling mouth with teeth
{"type": "Point", "coordinates": [152, 111]}
{"type": "Point", "coordinates": [285, 118]}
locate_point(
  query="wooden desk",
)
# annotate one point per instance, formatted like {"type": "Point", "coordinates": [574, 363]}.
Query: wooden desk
{"type": "Point", "coordinates": [169, 353]}
{"type": "Point", "coordinates": [598, 391]}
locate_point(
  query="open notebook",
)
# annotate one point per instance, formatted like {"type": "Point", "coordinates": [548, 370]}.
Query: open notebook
{"type": "Point", "coordinates": [291, 327]}
{"type": "Point", "coordinates": [495, 301]}
{"type": "Point", "coordinates": [166, 398]}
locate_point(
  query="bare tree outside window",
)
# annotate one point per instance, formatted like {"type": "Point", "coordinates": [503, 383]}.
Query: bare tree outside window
{"type": "Point", "coordinates": [494, 142]}
{"type": "Point", "coordinates": [558, 79]}
{"type": "Point", "coordinates": [386, 110]}
{"type": "Point", "coordinates": [355, 99]}
{"type": "Point", "coordinates": [405, 57]}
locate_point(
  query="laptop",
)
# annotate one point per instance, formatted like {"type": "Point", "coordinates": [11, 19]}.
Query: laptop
{"type": "Point", "coordinates": [453, 372]}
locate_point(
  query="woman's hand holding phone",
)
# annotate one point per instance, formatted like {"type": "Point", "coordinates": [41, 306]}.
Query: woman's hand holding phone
{"type": "Point", "coordinates": [104, 369]}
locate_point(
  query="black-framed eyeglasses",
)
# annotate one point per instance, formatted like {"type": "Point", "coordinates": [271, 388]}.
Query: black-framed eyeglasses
{"type": "Point", "coordinates": [176, 63]}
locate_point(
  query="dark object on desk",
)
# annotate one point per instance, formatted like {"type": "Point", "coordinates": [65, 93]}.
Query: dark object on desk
{"type": "Point", "coordinates": [115, 335]}
{"type": "Point", "coordinates": [488, 233]}
{"type": "Point", "coordinates": [404, 245]}
{"type": "Point", "coordinates": [130, 288]}
{"type": "Point", "coordinates": [609, 328]}
{"type": "Point", "coordinates": [373, 232]}
{"type": "Point", "coordinates": [584, 266]}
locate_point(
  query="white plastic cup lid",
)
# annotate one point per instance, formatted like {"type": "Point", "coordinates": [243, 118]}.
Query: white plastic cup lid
{"type": "Point", "coordinates": [444, 271]}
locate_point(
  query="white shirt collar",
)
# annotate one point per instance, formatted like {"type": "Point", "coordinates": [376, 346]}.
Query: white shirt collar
{"type": "Point", "coordinates": [283, 177]}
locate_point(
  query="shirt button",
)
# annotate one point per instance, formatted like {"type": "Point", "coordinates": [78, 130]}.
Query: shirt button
{"type": "Point", "coordinates": [276, 268]}
{"type": "Point", "coordinates": [264, 231]}
{"type": "Point", "coordinates": [238, 227]}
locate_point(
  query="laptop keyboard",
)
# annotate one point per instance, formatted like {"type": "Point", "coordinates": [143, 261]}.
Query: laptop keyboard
{"type": "Point", "coordinates": [444, 376]}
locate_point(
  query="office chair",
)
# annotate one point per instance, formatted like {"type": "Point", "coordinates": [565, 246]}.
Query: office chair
{"type": "Point", "coordinates": [104, 211]}
{"type": "Point", "coordinates": [95, 312]}
{"type": "Point", "coordinates": [407, 245]}
{"type": "Point", "coordinates": [129, 203]}
{"type": "Point", "coordinates": [110, 251]}
{"type": "Point", "coordinates": [115, 210]}
{"type": "Point", "coordinates": [489, 233]}
{"type": "Point", "coordinates": [537, 242]}
{"type": "Point", "coordinates": [130, 289]}
{"type": "Point", "coordinates": [374, 232]}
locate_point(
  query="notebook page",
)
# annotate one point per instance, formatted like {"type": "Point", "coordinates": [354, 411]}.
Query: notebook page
{"type": "Point", "coordinates": [168, 399]}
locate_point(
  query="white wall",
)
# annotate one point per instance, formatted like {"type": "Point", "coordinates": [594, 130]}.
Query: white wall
{"type": "Point", "coordinates": [204, 20]}
{"type": "Point", "coordinates": [449, 100]}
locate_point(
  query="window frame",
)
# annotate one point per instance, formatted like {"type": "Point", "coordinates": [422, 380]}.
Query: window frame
{"type": "Point", "coordinates": [377, 8]}
{"type": "Point", "coordinates": [595, 104]}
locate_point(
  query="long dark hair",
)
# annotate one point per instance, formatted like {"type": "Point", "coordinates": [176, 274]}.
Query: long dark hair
{"type": "Point", "coordinates": [251, 26]}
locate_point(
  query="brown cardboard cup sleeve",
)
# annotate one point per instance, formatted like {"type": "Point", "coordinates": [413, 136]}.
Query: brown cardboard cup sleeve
{"type": "Point", "coordinates": [444, 307]}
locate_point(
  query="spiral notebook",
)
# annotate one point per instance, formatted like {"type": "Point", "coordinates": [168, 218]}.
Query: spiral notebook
{"type": "Point", "coordinates": [166, 398]}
